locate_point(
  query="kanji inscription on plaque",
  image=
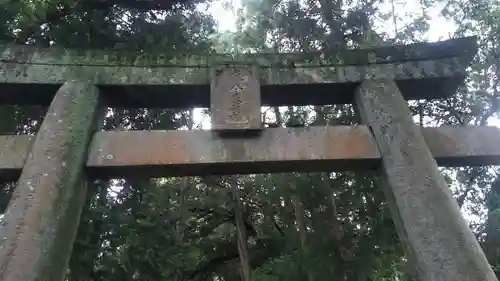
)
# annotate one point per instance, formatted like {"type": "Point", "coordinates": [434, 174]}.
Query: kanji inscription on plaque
{"type": "Point", "coordinates": [235, 99]}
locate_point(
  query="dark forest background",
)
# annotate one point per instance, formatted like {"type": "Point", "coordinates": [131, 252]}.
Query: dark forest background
{"type": "Point", "coordinates": [314, 227]}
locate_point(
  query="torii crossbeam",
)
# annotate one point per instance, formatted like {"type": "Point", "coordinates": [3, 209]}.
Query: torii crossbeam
{"type": "Point", "coordinates": [41, 220]}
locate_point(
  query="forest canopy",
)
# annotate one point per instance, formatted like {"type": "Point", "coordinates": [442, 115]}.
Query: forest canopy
{"type": "Point", "coordinates": [295, 226]}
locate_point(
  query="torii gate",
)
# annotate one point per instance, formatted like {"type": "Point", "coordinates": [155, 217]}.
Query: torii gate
{"type": "Point", "coordinates": [41, 220]}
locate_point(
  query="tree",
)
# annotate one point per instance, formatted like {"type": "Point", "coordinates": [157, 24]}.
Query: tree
{"type": "Point", "coordinates": [270, 227]}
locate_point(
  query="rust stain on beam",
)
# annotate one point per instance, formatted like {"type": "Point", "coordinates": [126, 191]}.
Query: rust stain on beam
{"type": "Point", "coordinates": [339, 148]}
{"type": "Point", "coordinates": [278, 149]}
{"type": "Point", "coordinates": [464, 146]}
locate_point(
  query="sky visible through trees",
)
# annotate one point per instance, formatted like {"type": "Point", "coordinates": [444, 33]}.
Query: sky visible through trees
{"type": "Point", "coordinates": [296, 226]}
{"type": "Point", "coordinates": [224, 12]}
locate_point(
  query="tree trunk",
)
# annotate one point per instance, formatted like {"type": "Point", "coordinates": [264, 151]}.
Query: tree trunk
{"type": "Point", "coordinates": [84, 270]}
{"type": "Point", "coordinates": [300, 218]}
{"type": "Point", "coordinates": [492, 241]}
{"type": "Point", "coordinates": [182, 209]}
{"type": "Point", "coordinates": [240, 230]}
{"type": "Point", "coordinates": [336, 230]}
{"type": "Point", "coordinates": [184, 185]}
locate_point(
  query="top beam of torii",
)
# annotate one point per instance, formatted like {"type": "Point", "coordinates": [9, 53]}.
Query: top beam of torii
{"type": "Point", "coordinates": [31, 75]}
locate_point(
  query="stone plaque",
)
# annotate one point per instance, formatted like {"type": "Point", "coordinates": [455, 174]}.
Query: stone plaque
{"type": "Point", "coordinates": [235, 99]}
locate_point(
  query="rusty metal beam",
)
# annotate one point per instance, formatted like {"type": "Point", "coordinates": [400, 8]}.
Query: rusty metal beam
{"type": "Point", "coordinates": [339, 148]}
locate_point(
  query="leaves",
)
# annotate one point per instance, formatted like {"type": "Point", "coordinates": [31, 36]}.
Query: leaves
{"type": "Point", "coordinates": [185, 229]}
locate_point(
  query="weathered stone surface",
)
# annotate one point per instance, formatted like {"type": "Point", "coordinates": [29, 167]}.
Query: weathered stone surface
{"type": "Point", "coordinates": [14, 150]}
{"type": "Point", "coordinates": [340, 148]}
{"type": "Point", "coordinates": [460, 47]}
{"type": "Point", "coordinates": [438, 240]}
{"type": "Point", "coordinates": [42, 218]}
{"type": "Point", "coordinates": [422, 70]}
{"type": "Point", "coordinates": [235, 99]}
{"type": "Point", "coordinates": [202, 152]}
{"type": "Point", "coordinates": [186, 87]}
{"type": "Point", "coordinates": [464, 146]}
{"type": "Point", "coordinates": [129, 75]}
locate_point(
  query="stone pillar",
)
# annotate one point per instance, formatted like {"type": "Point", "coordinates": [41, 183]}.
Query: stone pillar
{"type": "Point", "coordinates": [42, 218]}
{"type": "Point", "coordinates": [439, 242]}
{"type": "Point", "coordinates": [235, 99]}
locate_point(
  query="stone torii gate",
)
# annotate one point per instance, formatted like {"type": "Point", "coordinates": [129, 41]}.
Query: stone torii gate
{"type": "Point", "coordinates": [40, 224]}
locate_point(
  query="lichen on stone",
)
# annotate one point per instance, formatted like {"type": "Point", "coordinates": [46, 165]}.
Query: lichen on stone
{"type": "Point", "coordinates": [25, 54]}
{"type": "Point", "coordinates": [100, 75]}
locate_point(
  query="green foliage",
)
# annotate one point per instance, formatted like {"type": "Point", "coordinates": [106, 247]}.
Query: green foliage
{"type": "Point", "coordinates": [184, 229]}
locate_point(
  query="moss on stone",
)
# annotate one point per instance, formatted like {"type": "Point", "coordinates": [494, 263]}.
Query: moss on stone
{"type": "Point", "coordinates": [385, 54]}
{"type": "Point", "coordinates": [58, 74]}
{"type": "Point", "coordinates": [47, 201]}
